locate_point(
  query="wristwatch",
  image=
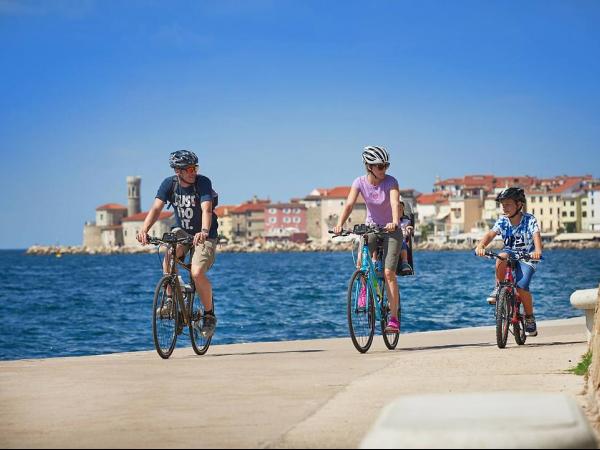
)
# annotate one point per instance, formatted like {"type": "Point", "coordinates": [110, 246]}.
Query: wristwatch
{"type": "Point", "coordinates": [204, 230]}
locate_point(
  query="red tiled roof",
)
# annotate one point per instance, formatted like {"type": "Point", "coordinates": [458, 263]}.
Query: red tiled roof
{"type": "Point", "coordinates": [251, 207]}
{"type": "Point", "coordinates": [337, 192]}
{"type": "Point", "coordinates": [432, 199]}
{"type": "Point", "coordinates": [140, 217]}
{"type": "Point", "coordinates": [568, 184]}
{"type": "Point", "coordinates": [224, 210]}
{"type": "Point", "coordinates": [111, 206]}
{"type": "Point", "coordinates": [478, 180]}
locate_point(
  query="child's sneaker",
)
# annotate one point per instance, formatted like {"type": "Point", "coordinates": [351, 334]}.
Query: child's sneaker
{"type": "Point", "coordinates": [530, 326]}
{"type": "Point", "coordinates": [362, 298]}
{"type": "Point", "coordinates": [492, 297]}
{"type": "Point", "coordinates": [393, 327]}
{"type": "Point", "coordinates": [405, 269]}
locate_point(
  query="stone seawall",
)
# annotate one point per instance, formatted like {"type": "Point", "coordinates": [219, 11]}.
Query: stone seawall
{"type": "Point", "coordinates": [272, 248]}
{"type": "Point", "coordinates": [281, 247]}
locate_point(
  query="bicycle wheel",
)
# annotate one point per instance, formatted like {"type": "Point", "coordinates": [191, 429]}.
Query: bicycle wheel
{"type": "Point", "coordinates": [519, 328]}
{"type": "Point", "coordinates": [390, 339]}
{"type": "Point", "coordinates": [503, 314]}
{"type": "Point", "coordinates": [164, 325]}
{"type": "Point", "coordinates": [361, 319]}
{"type": "Point", "coordinates": [200, 344]}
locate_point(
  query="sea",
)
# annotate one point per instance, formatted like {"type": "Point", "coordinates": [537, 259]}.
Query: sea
{"type": "Point", "coordinates": [98, 304]}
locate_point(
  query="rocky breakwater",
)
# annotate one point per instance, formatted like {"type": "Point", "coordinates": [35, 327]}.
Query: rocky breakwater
{"type": "Point", "coordinates": [81, 250]}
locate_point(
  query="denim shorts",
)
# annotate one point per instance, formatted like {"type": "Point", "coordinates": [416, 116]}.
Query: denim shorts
{"type": "Point", "coordinates": [524, 272]}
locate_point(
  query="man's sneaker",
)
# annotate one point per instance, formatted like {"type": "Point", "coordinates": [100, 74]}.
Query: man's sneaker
{"type": "Point", "coordinates": [362, 298]}
{"type": "Point", "coordinates": [209, 325]}
{"type": "Point", "coordinates": [165, 310]}
{"type": "Point", "coordinates": [530, 326]}
{"type": "Point", "coordinates": [393, 327]}
{"type": "Point", "coordinates": [492, 297]}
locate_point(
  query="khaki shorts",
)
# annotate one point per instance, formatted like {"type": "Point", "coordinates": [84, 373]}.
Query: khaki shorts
{"type": "Point", "coordinates": [204, 253]}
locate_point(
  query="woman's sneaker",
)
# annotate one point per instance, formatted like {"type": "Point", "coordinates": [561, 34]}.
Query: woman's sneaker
{"type": "Point", "coordinates": [393, 327]}
{"type": "Point", "coordinates": [492, 297]}
{"type": "Point", "coordinates": [530, 326]}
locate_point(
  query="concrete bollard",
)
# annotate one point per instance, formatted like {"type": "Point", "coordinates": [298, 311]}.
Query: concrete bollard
{"type": "Point", "coordinates": [485, 420]}
{"type": "Point", "coordinates": [586, 299]}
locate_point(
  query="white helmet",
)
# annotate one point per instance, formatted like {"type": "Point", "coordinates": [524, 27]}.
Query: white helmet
{"type": "Point", "coordinates": [375, 155]}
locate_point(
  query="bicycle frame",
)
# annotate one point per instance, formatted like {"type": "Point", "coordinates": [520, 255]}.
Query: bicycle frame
{"type": "Point", "coordinates": [174, 261]}
{"type": "Point", "coordinates": [509, 283]}
{"type": "Point", "coordinates": [374, 283]}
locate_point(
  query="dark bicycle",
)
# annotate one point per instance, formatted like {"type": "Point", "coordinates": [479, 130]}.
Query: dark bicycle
{"type": "Point", "coordinates": [175, 305]}
{"type": "Point", "coordinates": [509, 309]}
{"type": "Point", "coordinates": [368, 283]}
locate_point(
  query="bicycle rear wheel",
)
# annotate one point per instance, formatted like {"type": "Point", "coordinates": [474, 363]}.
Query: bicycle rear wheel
{"type": "Point", "coordinates": [200, 343]}
{"type": "Point", "coordinates": [165, 320]}
{"type": "Point", "coordinates": [361, 319]}
{"type": "Point", "coordinates": [503, 314]}
{"type": "Point", "coordinates": [390, 339]}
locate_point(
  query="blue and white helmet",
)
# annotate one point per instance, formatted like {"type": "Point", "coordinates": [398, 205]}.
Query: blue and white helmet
{"type": "Point", "coordinates": [182, 159]}
{"type": "Point", "coordinates": [375, 155]}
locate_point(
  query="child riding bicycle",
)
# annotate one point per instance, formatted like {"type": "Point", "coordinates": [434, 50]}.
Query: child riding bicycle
{"type": "Point", "coordinates": [407, 231]}
{"type": "Point", "coordinates": [521, 234]}
{"type": "Point", "coordinates": [382, 195]}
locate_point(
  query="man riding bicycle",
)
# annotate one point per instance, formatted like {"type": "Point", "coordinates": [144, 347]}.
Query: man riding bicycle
{"type": "Point", "coordinates": [521, 234]}
{"type": "Point", "coordinates": [382, 196]}
{"type": "Point", "coordinates": [192, 197]}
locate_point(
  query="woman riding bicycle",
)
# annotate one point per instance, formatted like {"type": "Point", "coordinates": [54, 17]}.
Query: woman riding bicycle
{"type": "Point", "coordinates": [382, 197]}
{"type": "Point", "coordinates": [521, 234]}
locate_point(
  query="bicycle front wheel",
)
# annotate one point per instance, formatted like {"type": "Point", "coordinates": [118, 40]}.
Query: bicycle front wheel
{"type": "Point", "coordinates": [361, 312]}
{"type": "Point", "coordinates": [200, 343]}
{"type": "Point", "coordinates": [165, 317]}
{"type": "Point", "coordinates": [503, 316]}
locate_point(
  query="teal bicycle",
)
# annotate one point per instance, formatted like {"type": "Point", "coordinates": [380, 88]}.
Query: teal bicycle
{"type": "Point", "coordinates": [367, 297]}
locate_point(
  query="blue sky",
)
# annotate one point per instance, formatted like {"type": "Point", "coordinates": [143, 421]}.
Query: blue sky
{"type": "Point", "coordinates": [279, 97]}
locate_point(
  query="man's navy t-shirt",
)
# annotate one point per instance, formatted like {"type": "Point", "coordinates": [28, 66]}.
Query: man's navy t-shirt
{"type": "Point", "coordinates": [186, 202]}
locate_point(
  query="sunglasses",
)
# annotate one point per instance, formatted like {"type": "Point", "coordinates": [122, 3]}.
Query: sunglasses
{"type": "Point", "coordinates": [381, 166]}
{"type": "Point", "coordinates": [190, 169]}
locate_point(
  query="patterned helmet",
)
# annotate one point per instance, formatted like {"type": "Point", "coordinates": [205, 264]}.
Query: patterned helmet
{"type": "Point", "coordinates": [515, 193]}
{"type": "Point", "coordinates": [182, 159]}
{"type": "Point", "coordinates": [375, 155]}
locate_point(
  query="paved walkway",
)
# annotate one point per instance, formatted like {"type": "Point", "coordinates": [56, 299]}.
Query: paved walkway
{"type": "Point", "coordinates": [319, 393]}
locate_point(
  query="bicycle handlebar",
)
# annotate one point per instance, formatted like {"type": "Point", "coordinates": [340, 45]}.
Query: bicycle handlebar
{"type": "Point", "coordinates": [362, 229]}
{"type": "Point", "coordinates": [170, 239]}
{"type": "Point", "coordinates": [517, 257]}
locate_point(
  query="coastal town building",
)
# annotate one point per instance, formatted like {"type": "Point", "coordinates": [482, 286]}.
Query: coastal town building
{"type": "Point", "coordinates": [133, 224]}
{"type": "Point", "coordinates": [560, 203]}
{"type": "Point", "coordinates": [225, 221]}
{"type": "Point", "coordinates": [592, 220]}
{"type": "Point", "coordinates": [116, 225]}
{"type": "Point", "coordinates": [248, 220]}
{"type": "Point", "coordinates": [433, 216]}
{"type": "Point", "coordinates": [286, 222]}
{"type": "Point", "coordinates": [327, 206]}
